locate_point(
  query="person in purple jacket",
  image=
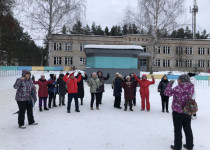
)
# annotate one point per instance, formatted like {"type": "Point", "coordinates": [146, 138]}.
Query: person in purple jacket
{"type": "Point", "coordinates": [181, 94]}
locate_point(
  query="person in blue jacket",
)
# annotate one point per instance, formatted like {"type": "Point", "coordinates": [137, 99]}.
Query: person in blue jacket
{"type": "Point", "coordinates": [52, 91]}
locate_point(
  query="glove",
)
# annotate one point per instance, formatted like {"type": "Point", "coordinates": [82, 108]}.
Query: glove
{"type": "Point", "coordinates": [79, 73]}
{"type": "Point", "coordinates": [171, 82]}
{"type": "Point", "coordinates": [108, 75]}
{"type": "Point", "coordinates": [152, 77]}
{"type": "Point", "coordinates": [67, 73]}
{"type": "Point", "coordinates": [33, 78]}
{"type": "Point", "coordinates": [112, 87]}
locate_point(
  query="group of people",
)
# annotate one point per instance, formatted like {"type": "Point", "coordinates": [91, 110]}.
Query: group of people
{"type": "Point", "coordinates": [74, 86]}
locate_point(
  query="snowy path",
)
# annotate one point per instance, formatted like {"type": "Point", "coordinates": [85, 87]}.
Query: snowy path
{"type": "Point", "coordinates": [106, 129]}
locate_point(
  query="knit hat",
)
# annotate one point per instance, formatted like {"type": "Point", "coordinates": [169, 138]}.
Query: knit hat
{"type": "Point", "coordinates": [184, 78]}
{"type": "Point", "coordinates": [72, 74]}
{"type": "Point", "coordinates": [94, 73]}
{"type": "Point", "coordinates": [120, 76]}
{"type": "Point", "coordinates": [128, 77]}
{"type": "Point", "coordinates": [117, 73]}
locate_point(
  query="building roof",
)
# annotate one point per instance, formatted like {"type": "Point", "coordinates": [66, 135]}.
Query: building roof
{"type": "Point", "coordinates": [121, 47]}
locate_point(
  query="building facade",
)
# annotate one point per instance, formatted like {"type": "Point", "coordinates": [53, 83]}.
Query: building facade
{"type": "Point", "coordinates": [171, 54]}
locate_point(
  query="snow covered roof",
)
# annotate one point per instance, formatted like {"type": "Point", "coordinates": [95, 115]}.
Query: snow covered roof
{"type": "Point", "coordinates": [134, 47]}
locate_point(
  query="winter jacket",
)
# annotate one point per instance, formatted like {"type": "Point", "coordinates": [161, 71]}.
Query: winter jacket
{"type": "Point", "coordinates": [144, 84]}
{"type": "Point", "coordinates": [117, 87]}
{"type": "Point", "coordinates": [134, 82]}
{"type": "Point", "coordinates": [94, 83]}
{"type": "Point", "coordinates": [72, 83]}
{"type": "Point", "coordinates": [81, 92]}
{"type": "Point", "coordinates": [52, 88]}
{"type": "Point", "coordinates": [181, 94]}
{"type": "Point", "coordinates": [24, 88]}
{"type": "Point", "coordinates": [102, 79]}
{"type": "Point", "coordinates": [129, 88]}
{"type": "Point", "coordinates": [43, 90]}
{"type": "Point", "coordinates": [61, 87]}
{"type": "Point", "coordinates": [162, 86]}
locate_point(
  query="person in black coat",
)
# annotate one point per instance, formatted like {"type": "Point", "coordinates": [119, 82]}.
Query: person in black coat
{"type": "Point", "coordinates": [161, 88]}
{"type": "Point", "coordinates": [135, 83]}
{"type": "Point", "coordinates": [102, 79]}
{"type": "Point", "coordinates": [61, 89]}
{"type": "Point", "coordinates": [81, 91]}
{"type": "Point", "coordinates": [117, 90]}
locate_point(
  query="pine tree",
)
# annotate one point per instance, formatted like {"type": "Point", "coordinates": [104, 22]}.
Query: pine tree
{"type": "Point", "coordinates": [99, 30]}
{"type": "Point", "coordinates": [77, 28]}
{"type": "Point", "coordinates": [113, 31]}
{"type": "Point", "coordinates": [106, 31]}
{"type": "Point", "coordinates": [64, 29]}
{"type": "Point", "coordinates": [125, 29]}
{"type": "Point", "coordinates": [87, 30]}
{"type": "Point", "coordinates": [188, 33]}
{"type": "Point", "coordinates": [93, 28]}
{"type": "Point", "coordinates": [134, 29]}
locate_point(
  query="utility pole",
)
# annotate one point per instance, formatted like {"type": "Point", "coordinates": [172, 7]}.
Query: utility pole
{"type": "Point", "coordinates": [194, 12]}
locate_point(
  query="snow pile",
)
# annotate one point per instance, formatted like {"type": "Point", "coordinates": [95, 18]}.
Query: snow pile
{"type": "Point", "coordinates": [106, 129]}
{"type": "Point", "coordinates": [126, 47]}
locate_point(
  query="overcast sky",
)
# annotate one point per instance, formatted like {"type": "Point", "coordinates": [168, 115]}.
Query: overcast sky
{"type": "Point", "coordinates": [111, 12]}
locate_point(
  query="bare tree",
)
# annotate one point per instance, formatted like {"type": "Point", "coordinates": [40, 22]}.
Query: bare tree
{"type": "Point", "coordinates": [50, 16]}
{"type": "Point", "coordinates": [158, 15]}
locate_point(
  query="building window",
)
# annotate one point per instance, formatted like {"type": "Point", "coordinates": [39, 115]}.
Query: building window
{"type": "Point", "coordinates": [166, 50]}
{"type": "Point", "coordinates": [208, 51]}
{"type": "Point", "coordinates": [158, 50]}
{"type": "Point", "coordinates": [188, 63]}
{"type": "Point", "coordinates": [57, 46]}
{"type": "Point", "coordinates": [82, 47]}
{"type": "Point", "coordinates": [157, 63]}
{"type": "Point", "coordinates": [209, 64]}
{"type": "Point", "coordinates": [68, 46]}
{"type": "Point", "coordinates": [166, 63]}
{"type": "Point", "coordinates": [57, 60]}
{"type": "Point", "coordinates": [201, 63]}
{"type": "Point", "coordinates": [68, 61]}
{"type": "Point", "coordinates": [201, 51]}
{"type": "Point", "coordinates": [179, 63]}
{"type": "Point", "coordinates": [179, 50]}
{"type": "Point", "coordinates": [189, 50]}
{"type": "Point", "coordinates": [144, 49]}
{"type": "Point", "coordinates": [82, 61]}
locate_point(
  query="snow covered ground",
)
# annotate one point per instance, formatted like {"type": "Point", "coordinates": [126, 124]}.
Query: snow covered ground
{"type": "Point", "coordinates": [106, 129]}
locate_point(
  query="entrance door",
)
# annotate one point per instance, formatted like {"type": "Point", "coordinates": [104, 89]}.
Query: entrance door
{"type": "Point", "coordinates": [143, 65]}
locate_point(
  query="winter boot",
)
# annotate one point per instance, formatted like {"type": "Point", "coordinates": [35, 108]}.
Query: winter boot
{"type": "Point", "coordinates": [125, 108]}
{"type": "Point", "coordinates": [185, 146]}
{"type": "Point", "coordinates": [54, 105]}
{"type": "Point", "coordinates": [131, 108]}
{"type": "Point", "coordinates": [68, 111]}
{"type": "Point", "coordinates": [77, 110]}
{"type": "Point", "coordinates": [97, 108]}
{"type": "Point", "coordinates": [40, 109]}
{"type": "Point", "coordinates": [22, 127]}
{"type": "Point", "coordinates": [46, 108]}
{"type": "Point", "coordinates": [91, 108]}
{"type": "Point", "coordinates": [33, 123]}
{"type": "Point", "coordinates": [173, 147]}
{"type": "Point", "coordinates": [63, 104]}
{"type": "Point", "coordinates": [142, 109]}
{"type": "Point", "coordinates": [60, 104]}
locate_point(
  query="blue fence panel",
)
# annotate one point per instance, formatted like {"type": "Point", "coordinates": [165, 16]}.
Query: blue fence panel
{"type": "Point", "coordinates": [24, 68]}
{"type": "Point", "coordinates": [173, 77]}
{"type": "Point", "coordinates": [202, 77]}
{"type": "Point", "coordinates": [58, 68]}
{"type": "Point", "coordinates": [49, 68]}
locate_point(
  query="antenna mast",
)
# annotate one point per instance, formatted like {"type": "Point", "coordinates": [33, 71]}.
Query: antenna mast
{"type": "Point", "coordinates": [194, 14]}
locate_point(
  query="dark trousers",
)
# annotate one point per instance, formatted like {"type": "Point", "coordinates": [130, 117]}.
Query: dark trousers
{"type": "Point", "coordinates": [23, 107]}
{"type": "Point", "coordinates": [128, 101]}
{"type": "Point", "coordinates": [182, 120]}
{"type": "Point", "coordinates": [134, 101]}
{"type": "Point", "coordinates": [117, 101]}
{"type": "Point", "coordinates": [100, 95]}
{"type": "Point", "coordinates": [52, 97]}
{"type": "Point", "coordinates": [93, 95]}
{"type": "Point", "coordinates": [61, 99]}
{"type": "Point", "coordinates": [43, 99]}
{"type": "Point", "coordinates": [164, 100]}
{"type": "Point", "coordinates": [70, 97]}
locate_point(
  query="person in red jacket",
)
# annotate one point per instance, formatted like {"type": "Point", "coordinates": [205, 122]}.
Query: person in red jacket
{"type": "Point", "coordinates": [72, 88]}
{"type": "Point", "coordinates": [43, 91]}
{"type": "Point", "coordinates": [144, 90]}
{"type": "Point", "coordinates": [129, 88]}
